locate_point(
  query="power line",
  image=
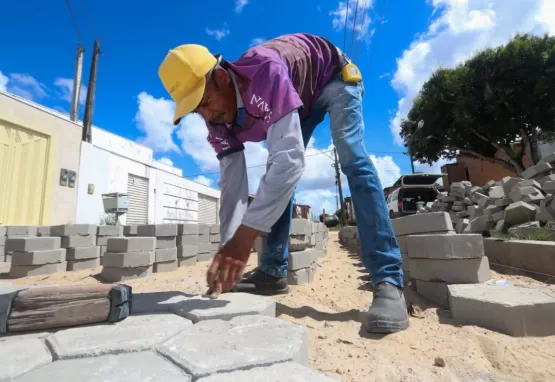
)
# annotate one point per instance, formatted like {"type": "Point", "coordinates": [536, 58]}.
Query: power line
{"type": "Point", "coordinates": [356, 56]}
{"type": "Point", "coordinates": [89, 24]}
{"type": "Point", "coordinates": [354, 28]}
{"type": "Point", "coordinates": [74, 21]}
{"type": "Point", "coordinates": [346, 19]}
{"type": "Point", "coordinates": [377, 33]}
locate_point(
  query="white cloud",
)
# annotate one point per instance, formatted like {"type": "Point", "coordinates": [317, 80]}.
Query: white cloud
{"type": "Point", "coordinates": [219, 34]}
{"type": "Point", "coordinates": [388, 170]}
{"type": "Point", "coordinates": [203, 180]}
{"type": "Point", "coordinates": [165, 160]}
{"type": "Point", "coordinates": [256, 41]}
{"type": "Point", "coordinates": [461, 28]}
{"type": "Point", "coordinates": [240, 4]}
{"type": "Point", "coordinates": [154, 118]}
{"type": "Point", "coordinates": [65, 86]}
{"type": "Point", "coordinates": [362, 17]}
{"type": "Point", "coordinates": [3, 82]}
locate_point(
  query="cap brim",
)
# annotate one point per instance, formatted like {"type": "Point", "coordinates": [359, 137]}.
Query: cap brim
{"type": "Point", "coordinates": [190, 102]}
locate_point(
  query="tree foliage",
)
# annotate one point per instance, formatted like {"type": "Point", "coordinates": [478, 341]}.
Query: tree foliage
{"type": "Point", "coordinates": [484, 106]}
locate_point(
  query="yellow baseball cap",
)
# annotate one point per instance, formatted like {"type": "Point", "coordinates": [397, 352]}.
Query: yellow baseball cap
{"type": "Point", "coordinates": [183, 73]}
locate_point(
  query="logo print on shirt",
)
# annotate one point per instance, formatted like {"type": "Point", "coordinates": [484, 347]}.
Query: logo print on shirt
{"type": "Point", "coordinates": [224, 143]}
{"type": "Point", "coordinates": [263, 106]}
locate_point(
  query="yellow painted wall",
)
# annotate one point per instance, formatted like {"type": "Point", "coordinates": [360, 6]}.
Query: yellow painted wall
{"type": "Point", "coordinates": [64, 145]}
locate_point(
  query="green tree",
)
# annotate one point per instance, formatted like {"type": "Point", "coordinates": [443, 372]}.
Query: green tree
{"type": "Point", "coordinates": [484, 106]}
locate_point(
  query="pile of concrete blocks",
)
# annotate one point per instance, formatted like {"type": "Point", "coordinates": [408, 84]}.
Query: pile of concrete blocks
{"type": "Point", "coordinates": [165, 259]}
{"type": "Point", "coordinates": [128, 258]}
{"type": "Point", "coordinates": [204, 246]}
{"type": "Point", "coordinates": [187, 244]}
{"type": "Point", "coordinates": [348, 237]}
{"type": "Point", "coordinates": [35, 256]}
{"type": "Point", "coordinates": [512, 202]}
{"type": "Point", "coordinates": [214, 239]}
{"type": "Point", "coordinates": [80, 242]}
{"type": "Point", "coordinates": [14, 231]}
{"type": "Point", "coordinates": [420, 224]}
{"type": "Point", "coordinates": [105, 232]}
{"type": "Point", "coordinates": [307, 242]}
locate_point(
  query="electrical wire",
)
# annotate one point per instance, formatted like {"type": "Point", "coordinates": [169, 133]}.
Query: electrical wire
{"type": "Point", "coordinates": [346, 19]}
{"type": "Point", "coordinates": [89, 24]}
{"type": "Point", "coordinates": [74, 21]}
{"type": "Point", "coordinates": [361, 34]}
{"type": "Point", "coordinates": [377, 33]}
{"type": "Point", "coordinates": [354, 30]}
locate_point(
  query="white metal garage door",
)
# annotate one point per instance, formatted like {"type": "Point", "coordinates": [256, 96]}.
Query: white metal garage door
{"type": "Point", "coordinates": [137, 188]}
{"type": "Point", "coordinates": [207, 209]}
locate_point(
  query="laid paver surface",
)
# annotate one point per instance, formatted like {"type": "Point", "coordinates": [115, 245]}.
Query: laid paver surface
{"type": "Point", "coordinates": [18, 356]}
{"type": "Point", "coordinates": [282, 372]}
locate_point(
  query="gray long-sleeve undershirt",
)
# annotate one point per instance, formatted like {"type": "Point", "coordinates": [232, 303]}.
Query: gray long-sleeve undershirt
{"type": "Point", "coordinates": [285, 167]}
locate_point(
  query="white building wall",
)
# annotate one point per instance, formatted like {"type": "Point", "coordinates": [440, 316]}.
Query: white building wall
{"type": "Point", "coordinates": [107, 163]}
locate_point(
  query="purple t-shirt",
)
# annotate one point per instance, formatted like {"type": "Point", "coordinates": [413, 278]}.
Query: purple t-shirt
{"type": "Point", "coordinates": [273, 79]}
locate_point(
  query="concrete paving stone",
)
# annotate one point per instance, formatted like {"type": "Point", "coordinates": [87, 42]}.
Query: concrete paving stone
{"type": "Point", "coordinates": [514, 310]}
{"type": "Point", "coordinates": [83, 253]}
{"type": "Point", "coordinates": [404, 261]}
{"type": "Point", "coordinates": [102, 250]}
{"type": "Point", "coordinates": [19, 356]}
{"type": "Point", "coordinates": [214, 247]}
{"type": "Point", "coordinates": [205, 256]}
{"type": "Point", "coordinates": [39, 257]}
{"type": "Point", "coordinates": [436, 292]}
{"type": "Point", "coordinates": [36, 270]}
{"type": "Point", "coordinates": [78, 241]}
{"type": "Point", "coordinates": [3, 241]}
{"type": "Point", "coordinates": [536, 170]}
{"type": "Point", "coordinates": [204, 248]}
{"type": "Point", "coordinates": [300, 276]}
{"type": "Point", "coordinates": [156, 302]}
{"type": "Point", "coordinates": [113, 274]}
{"type": "Point", "coordinates": [456, 271]}
{"type": "Point", "coordinates": [481, 223]}
{"type": "Point", "coordinates": [281, 372]}
{"type": "Point", "coordinates": [130, 230]}
{"type": "Point", "coordinates": [260, 244]}
{"type": "Point", "coordinates": [3, 230]}
{"type": "Point", "coordinates": [103, 240]}
{"type": "Point", "coordinates": [43, 231]}
{"type": "Point", "coordinates": [79, 265]}
{"type": "Point", "coordinates": [129, 259]}
{"type": "Point", "coordinates": [492, 209]}
{"type": "Point", "coordinates": [422, 223]}
{"type": "Point", "coordinates": [519, 212]}
{"type": "Point", "coordinates": [509, 182]}
{"type": "Point", "coordinates": [141, 366]}
{"type": "Point", "coordinates": [302, 259]}
{"type": "Point", "coordinates": [215, 238]}
{"type": "Point", "coordinates": [298, 242]}
{"type": "Point", "coordinates": [187, 240]}
{"type": "Point", "coordinates": [165, 242]}
{"type": "Point", "coordinates": [226, 307]}
{"type": "Point", "coordinates": [187, 229]}
{"type": "Point", "coordinates": [445, 246]}
{"type": "Point", "coordinates": [215, 228]}
{"type": "Point", "coordinates": [549, 187]}
{"type": "Point", "coordinates": [243, 342]}
{"type": "Point", "coordinates": [542, 180]}
{"type": "Point", "coordinates": [299, 226]}
{"type": "Point", "coordinates": [167, 254]}
{"type": "Point", "coordinates": [204, 238]}
{"type": "Point", "coordinates": [109, 230]}
{"type": "Point", "coordinates": [204, 229]}
{"type": "Point", "coordinates": [504, 202]}
{"type": "Point", "coordinates": [21, 230]}
{"type": "Point", "coordinates": [73, 230]}
{"type": "Point", "coordinates": [187, 261]}
{"type": "Point", "coordinates": [135, 333]}
{"type": "Point", "coordinates": [548, 159]}
{"type": "Point", "coordinates": [496, 192]}
{"type": "Point", "coordinates": [158, 230]}
{"type": "Point", "coordinates": [131, 244]}
{"type": "Point", "coordinates": [187, 250]}
{"type": "Point", "coordinates": [165, 266]}
{"type": "Point", "coordinates": [28, 244]}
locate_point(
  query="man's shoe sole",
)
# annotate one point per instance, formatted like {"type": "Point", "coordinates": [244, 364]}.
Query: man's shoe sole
{"type": "Point", "coordinates": [252, 289]}
{"type": "Point", "coordinates": [383, 327]}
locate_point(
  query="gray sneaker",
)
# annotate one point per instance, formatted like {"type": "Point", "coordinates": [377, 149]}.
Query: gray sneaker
{"type": "Point", "coordinates": [388, 312]}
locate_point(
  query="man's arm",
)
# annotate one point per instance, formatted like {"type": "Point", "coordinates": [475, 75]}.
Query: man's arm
{"type": "Point", "coordinates": [286, 165]}
{"type": "Point", "coordinates": [234, 188]}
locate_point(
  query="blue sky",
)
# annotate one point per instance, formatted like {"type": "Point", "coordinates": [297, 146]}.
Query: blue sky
{"type": "Point", "coordinates": [414, 38]}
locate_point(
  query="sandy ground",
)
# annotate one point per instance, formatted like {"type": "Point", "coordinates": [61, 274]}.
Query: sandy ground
{"type": "Point", "coordinates": [333, 308]}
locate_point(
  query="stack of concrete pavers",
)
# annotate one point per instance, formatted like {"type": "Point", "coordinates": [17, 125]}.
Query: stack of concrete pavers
{"type": "Point", "coordinates": [128, 258]}
{"type": "Point", "coordinates": [34, 256]}
{"type": "Point", "coordinates": [348, 237]}
{"type": "Point", "coordinates": [16, 231]}
{"type": "Point", "coordinates": [204, 245]}
{"type": "Point", "coordinates": [515, 310]}
{"type": "Point", "coordinates": [104, 233]}
{"type": "Point", "coordinates": [319, 238]}
{"type": "Point", "coordinates": [80, 242]}
{"type": "Point", "coordinates": [215, 239]}
{"type": "Point", "coordinates": [439, 260]}
{"type": "Point", "coordinates": [166, 245]}
{"type": "Point", "coordinates": [432, 223]}
{"type": "Point", "coordinates": [300, 234]}
{"type": "Point", "coordinates": [187, 244]}
{"type": "Point", "coordinates": [302, 266]}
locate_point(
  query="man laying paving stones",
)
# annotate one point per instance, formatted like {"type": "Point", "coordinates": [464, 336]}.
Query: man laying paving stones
{"type": "Point", "coordinates": [280, 91]}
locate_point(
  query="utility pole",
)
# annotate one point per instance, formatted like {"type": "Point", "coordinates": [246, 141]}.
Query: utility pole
{"type": "Point", "coordinates": [77, 78]}
{"type": "Point", "coordinates": [89, 108]}
{"type": "Point", "coordinates": [338, 180]}
{"type": "Point", "coordinates": [409, 147]}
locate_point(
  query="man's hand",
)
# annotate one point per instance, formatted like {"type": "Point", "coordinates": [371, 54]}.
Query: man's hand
{"type": "Point", "coordinates": [229, 264]}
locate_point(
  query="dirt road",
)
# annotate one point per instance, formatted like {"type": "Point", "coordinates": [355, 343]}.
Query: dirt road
{"type": "Point", "coordinates": [334, 306]}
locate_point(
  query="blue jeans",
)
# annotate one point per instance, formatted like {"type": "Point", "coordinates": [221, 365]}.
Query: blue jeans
{"type": "Point", "coordinates": [379, 248]}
